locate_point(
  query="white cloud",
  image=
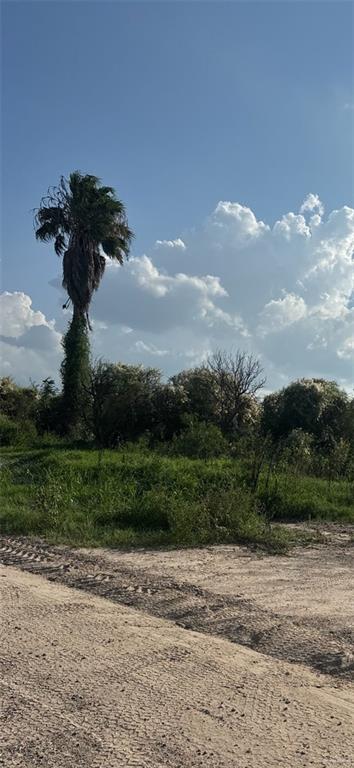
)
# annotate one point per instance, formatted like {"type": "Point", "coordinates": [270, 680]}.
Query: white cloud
{"type": "Point", "coordinates": [312, 203]}
{"type": "Point", "coordinates": [17, 315]}
{"type": "Point", "coordinates": [150, 349]}
{"type": "Point", "coordinates": [148, 299]}
{"type": "Point", "coordinates": [346, 350]}
{"type": "Point", "coordinates": [280, 313]}
{"type": "Point", "coordinates": [30, 346]}
{"type": "Point", "coordinates": [178, 243]}
{"type": "Point", "coordinates": [240, 219]}
{"type": "Point", "coordinates": [291, 225]}
{"type": "Point", "coordinates": [160, 284]}
{"type": "Point", "coordinates": [283, 292]}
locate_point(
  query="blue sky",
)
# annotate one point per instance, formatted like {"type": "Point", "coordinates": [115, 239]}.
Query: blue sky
{"type": "Point", "coordinates": [178, 106]}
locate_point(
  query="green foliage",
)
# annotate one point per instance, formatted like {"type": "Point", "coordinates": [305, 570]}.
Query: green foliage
{"type": "Point", "coordinates": [315, 406]}
{"type": "Point", "coordinates": [134, 498]}
{"type": "Point", "coordinates": [291, 498]}
{"type": "Point", "coordinates": [18, 403]}
{"type": "Point", "coordinates": [238, 377]}
{"type": "Point", "coordinates": [123, 402]}
{"type": "Point", "coordinates": [227, 515]}
{"type": "Point", "coordinates": [8, 430]}
{"type": "Point", "coordinates": [16, 433]}
{"type": "Point", "coordinates": [75, 373]}
{"type": "Point", "coordinates": [223, 391]}
{"type": "Point", "coordinates": [297, 452]}
{"type": "Point", "coordinates": [49, 409]}
{"type": "Point", "coordinates": [125, 497]}
{"type": "Point", "coordinates": [83, 217]}
{"type": "Point", "coordinates": [199, 440]}
{"type": "Point", "coordinates": [170, 407]}
{"type": "Point", "coordinates": [112, 405]}
{"type": "Point", "coordinates": [199, 392]}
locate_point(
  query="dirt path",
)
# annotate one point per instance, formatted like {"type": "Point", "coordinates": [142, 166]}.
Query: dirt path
{"type": "Point", "coordinates": [298, 608]}
{"type": "Point", "coordinates": [86, 682]}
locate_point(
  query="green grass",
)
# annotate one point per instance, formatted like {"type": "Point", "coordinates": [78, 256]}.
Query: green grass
{"type": "Point", "coordinates": [132, 498]}
{"type": "Point", "coordinates": [292, 498]}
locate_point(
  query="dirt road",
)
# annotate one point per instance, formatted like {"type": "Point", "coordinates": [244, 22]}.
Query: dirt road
{"type": "Point", "coordinates": [88, 681]}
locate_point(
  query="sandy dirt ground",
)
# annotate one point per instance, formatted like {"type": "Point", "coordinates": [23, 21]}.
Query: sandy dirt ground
{"type": "Point", "coordinates": [315, 582]}
{"type": "Point", "coordinates": [89, 683]}
{"type": "Point", "coordinates": [98, 670]}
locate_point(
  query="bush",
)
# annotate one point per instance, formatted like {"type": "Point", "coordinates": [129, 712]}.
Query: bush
{"type": "Point", "coordinates": [8, 431]}
{"type": "Point", "coordinates": [297, 453]}
{"type": "Point", "coordinates": [199, 440]}
{"type": "Point", "coordinates": [16, 433]}
{"type": "Point", "coordinates": [227, 516]}
{"type": "Point", "coordinates": [218, 516]}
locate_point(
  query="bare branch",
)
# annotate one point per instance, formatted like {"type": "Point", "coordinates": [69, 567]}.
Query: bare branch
{"type": "Point", "coordinates": [238, 376]}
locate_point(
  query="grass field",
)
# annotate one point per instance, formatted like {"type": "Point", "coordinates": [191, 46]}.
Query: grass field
{"type": "Point", "coordinates": [135, 498]}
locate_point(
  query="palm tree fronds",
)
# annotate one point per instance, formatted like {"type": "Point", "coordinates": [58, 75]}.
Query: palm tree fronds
{"type": "Point", "coordinates": [81, 216]}
{"type": "Point", "coordinates": [59, 244]}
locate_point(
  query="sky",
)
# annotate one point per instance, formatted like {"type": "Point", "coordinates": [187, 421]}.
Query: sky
{"type": "Point", "coordinates": [227, 129]}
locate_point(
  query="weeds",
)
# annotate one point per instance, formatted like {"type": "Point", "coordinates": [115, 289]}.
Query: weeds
{"type": "Point", "coordinates": [133, 498]}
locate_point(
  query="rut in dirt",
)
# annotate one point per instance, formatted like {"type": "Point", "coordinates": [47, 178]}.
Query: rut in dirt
{"type": "Point", "coordinates": [238, 620]}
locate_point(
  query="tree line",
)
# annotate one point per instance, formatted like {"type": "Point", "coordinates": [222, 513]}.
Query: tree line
{"type": "Point", "coordinates": [207, 411]}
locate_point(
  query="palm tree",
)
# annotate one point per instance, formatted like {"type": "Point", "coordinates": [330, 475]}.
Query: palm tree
{"type": "Point", "coordinates": [88, 225]}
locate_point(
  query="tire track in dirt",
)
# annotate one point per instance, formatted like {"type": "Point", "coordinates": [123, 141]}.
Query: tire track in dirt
{"type": "Point", "coordinates": [87, 683]}
{"type": "Point", "coordinates": [236, 619]}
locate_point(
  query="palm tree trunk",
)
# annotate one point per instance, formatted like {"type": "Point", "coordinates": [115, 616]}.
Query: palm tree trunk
{"type": "Point", "coordinates": [75, 373]}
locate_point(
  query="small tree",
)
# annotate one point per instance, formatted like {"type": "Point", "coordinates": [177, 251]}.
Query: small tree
{"type": "Point", "coordinates": [123, 401]}
{"type": "Point", "coordinates": [170, 407]}
{"type": "Point", "coordinates": [238, 377]}
{"type": "Point", "coordinates": [315, 406]}
{"type": "Point", "coordinates": [199, 388]}
{"type": "Point", "coordinates": [49, 409]}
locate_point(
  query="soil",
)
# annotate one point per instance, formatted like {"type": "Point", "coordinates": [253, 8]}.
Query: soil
{"type": "Point", "coordinates": [99, 671]}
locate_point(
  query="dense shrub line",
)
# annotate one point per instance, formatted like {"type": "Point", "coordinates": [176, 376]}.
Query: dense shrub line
{"type": "Point", "coordinates": [210, 411]}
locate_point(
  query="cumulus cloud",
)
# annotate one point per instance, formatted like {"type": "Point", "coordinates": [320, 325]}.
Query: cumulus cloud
{"type": "Point", "coordinates": [240, 218]}
{"type": "Point", "coordinates": [280, 313]}
{"type": "Point", "coordinates": [17, 315]}
{"type": "Point", "coordinates": [312, 203]}
{"type": "Point", "coordinates": [284, 292]}
{"type": "Point", "coordinates": [30, 346]}
{"type": "Point", "coordinates": [178, 243]}
{"type": "Point", "coordinates": [149, 299]}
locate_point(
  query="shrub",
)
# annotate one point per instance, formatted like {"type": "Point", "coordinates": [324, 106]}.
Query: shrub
{"type": "Point", "coordinates": [297, 453]}
{"type": "Point", "coordinates": [199, 440]}
{"type": "Point", "coordinates": [230, 515]}
{"type": "Point", "coordinates": [16, 433]}
{"type": "Point", "coordinates": [8, 430]}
